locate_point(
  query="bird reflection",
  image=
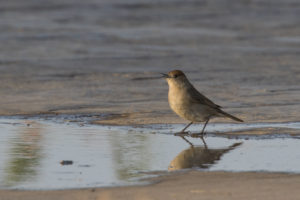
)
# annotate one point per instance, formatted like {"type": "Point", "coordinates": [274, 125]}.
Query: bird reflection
{"type": "Point", "coordinates": [198, 156]}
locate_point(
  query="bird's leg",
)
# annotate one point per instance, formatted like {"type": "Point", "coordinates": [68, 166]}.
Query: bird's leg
{"type": "Point", "coordinates": [205, 145]}
{"type": "Point", "coordinates": [186, 127]}
{"type": "Point", "coordinates": [187, 141]}
{"type": "Point", "coordinates": [202, 132]}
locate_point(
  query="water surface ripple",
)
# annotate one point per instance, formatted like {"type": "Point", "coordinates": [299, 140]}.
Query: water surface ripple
{"type": "Point", "coordinates": [31, 151]}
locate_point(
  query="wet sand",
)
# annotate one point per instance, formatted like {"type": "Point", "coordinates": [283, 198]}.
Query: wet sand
{"type": "Point", "coordinates": [97, 57]}
{"type": "Point", "coordinates": [191, 185]}
{"type": "Point", "coordinates": [93, 57]}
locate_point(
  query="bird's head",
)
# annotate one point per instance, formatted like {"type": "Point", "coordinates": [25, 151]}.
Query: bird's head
{"type": "Point", "coordinates": [175, 77]}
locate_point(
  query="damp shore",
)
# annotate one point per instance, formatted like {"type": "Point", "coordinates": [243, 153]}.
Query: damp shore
{"type": "Point", "coordinates": [103, 60]}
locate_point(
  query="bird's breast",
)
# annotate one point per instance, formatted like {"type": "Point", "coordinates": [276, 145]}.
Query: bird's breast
{"type": "Point", "coordinates": [181, 103]}
{"type": "Point", "coordinates": [178, 100]}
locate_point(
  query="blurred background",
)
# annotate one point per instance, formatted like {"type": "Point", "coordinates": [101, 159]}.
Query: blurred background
{"type": "Point", "coordinates": [100, 56]}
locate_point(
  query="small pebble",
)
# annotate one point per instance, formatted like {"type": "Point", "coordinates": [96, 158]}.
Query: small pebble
{"type": "Point", "coordinates": [66, 162]}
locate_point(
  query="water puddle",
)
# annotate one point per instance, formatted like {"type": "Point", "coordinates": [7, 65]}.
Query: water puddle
{"type": "Point", "coordinates": [43, 154]}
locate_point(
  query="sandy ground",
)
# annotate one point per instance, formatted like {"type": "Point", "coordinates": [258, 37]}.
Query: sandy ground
{"type": "Point", "coordinates": [96, 57]}
{"type": "Point", "coordinates": [192, 185]}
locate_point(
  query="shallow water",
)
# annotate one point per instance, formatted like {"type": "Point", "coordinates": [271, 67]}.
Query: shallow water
{"type": "Point", "coordinates": [31, 151]}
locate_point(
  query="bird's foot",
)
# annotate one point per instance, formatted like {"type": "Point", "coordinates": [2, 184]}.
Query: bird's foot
{"type": "Point", "coordinates": [182, 133]}
{"type": "Point", "coordinates": [197, 135]}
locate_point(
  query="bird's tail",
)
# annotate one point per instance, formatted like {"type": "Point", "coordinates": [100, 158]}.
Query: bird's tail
{"type": "Point", "coordinates": [230, 116]}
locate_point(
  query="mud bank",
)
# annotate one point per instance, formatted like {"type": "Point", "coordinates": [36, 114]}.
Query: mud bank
{"type": "Point", "coordinates": [101, 57]}
{"type": "Point", "coordinates": [191, 185]}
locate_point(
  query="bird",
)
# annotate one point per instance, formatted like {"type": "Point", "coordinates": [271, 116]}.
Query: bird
{"type": "Point", "coordinates": [190, 104]}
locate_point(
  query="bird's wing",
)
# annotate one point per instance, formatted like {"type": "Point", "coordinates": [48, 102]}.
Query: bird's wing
{"type": "Point", "coordinates": [197, 97]}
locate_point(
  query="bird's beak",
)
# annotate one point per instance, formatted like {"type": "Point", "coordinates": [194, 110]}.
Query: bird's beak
{"type": "Point", "coordinates": [165, 75]}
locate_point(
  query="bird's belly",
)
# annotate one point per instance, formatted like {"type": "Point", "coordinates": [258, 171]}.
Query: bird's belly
{"type": "Point", "coordinates": [192, 112]}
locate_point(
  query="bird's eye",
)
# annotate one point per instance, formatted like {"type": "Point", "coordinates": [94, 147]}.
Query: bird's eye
{"type": "Point", "coordinates": [175, 76]}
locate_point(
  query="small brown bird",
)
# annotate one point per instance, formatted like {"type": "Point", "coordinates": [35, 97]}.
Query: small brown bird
{"type": "Point", "coordinates": [190, 104]}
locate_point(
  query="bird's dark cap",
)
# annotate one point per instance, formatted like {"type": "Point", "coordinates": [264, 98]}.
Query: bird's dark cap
{"type": "Point", "coordinates": [175, 73]}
